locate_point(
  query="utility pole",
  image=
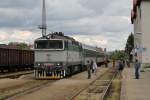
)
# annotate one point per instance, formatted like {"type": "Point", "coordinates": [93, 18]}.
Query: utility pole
{"type": "Point", "coordinates": [43, 27]}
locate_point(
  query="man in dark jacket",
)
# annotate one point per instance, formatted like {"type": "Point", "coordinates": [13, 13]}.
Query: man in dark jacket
{"type": "Point", "coordinates": [121, 66]}
{"type": "Point", "coordinates": [89, 69]}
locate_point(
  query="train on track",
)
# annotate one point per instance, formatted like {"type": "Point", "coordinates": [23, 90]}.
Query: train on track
{"type": "Point", "coordinates": [12, 60]}
{"type": "Point", "coordinates": [58, 56]}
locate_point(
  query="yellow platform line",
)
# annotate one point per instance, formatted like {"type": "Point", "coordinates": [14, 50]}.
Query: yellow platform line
{"type": "Point", "coordinates": [50, 78]}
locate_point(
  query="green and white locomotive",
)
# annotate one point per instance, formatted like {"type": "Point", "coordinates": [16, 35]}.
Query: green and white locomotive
{"type": "Point", "coordinates": [58, 56]}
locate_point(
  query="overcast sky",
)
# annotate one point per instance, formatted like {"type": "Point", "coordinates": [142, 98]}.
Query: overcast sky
{"type": "Point", "coordinates": [102, 23]}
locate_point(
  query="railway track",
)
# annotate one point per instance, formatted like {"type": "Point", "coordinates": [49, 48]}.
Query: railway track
{"type": "Point", "coordinates": [98, 89]}
{"type": "Point", "coordinates": [24, 89]}
{"type": "Point", "coordinates": [15, 75]}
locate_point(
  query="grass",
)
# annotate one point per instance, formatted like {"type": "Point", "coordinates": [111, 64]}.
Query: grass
{"type": "Point", "coordinates": [142, 70]}
{"type": "Point", "coordinates": [115, 90]}
{"type": "Point", "coordinates": [146, 66]}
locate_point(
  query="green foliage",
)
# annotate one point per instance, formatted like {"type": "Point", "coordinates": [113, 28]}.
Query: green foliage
{"type": "Point", "coordinates": [130, 46]}
{"type": "Point", "coordinates": [19, 45]}
{"type": "Point", "coordinates": [118, 55]}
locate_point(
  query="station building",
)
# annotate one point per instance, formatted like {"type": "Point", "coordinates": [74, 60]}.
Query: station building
{"type": "Point", "coordinates": [140, 18]}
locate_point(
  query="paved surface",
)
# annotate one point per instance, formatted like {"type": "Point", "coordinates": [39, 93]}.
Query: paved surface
{"type": "Point", "coordinates": [135, 89]}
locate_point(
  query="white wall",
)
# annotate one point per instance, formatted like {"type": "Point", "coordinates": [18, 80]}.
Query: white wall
{"type": "Point", "coordinates": [145, 29]}
{"type": "Point", "coordinates": [137, 36]}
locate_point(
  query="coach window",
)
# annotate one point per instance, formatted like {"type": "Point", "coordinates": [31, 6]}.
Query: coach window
{"type": "Point", "coordinates": [66, 44]}
{"type": "Point", "coordinates": [69, 45]}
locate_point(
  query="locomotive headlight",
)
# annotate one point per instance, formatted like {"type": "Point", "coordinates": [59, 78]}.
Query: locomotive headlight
{"type": "Point", "coordinates": [58, 64]}
{"type": "Point", "coordinates": [39, 64]}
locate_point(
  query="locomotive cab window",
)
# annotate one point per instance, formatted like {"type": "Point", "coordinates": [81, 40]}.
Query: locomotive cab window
{"type": "Point", "coordinates": [49, 44]}
{"type": "Point", "coordinates": [55, 44]}
{"type": "Point", "coordinates": [42, 44]}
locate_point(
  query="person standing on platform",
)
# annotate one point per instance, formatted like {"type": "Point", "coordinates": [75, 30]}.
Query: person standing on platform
{"type": "Point", "coordinates": [89, 69]}
{"type": "Point", "coordinates": [124, 63]}
{"type": "Point", "coordinates": [94, 67]}
{"type": "Point", "coordinates": [113, 64]}
{"type": "Point", "coordinates": [128, 63]}
{"type": "Point", "coordinates": [106, 63]}
{"type": "Point", "coordinates": [137, 69]}
{"type": "Point", "coordinates": [120, 67]}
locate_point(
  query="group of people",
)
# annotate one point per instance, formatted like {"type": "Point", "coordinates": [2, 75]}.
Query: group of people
{"type": "Point", "coordinates": [91, 67]}
{"type": "Point", "coordinates": [137, 65]}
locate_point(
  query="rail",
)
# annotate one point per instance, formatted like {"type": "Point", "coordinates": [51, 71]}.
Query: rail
{"type": "Point", "coordinates": [97, 89]}
{"type": "Point", "coordinates": [15, 75]}
{"type": "Point", "coordinates": [108, 87]}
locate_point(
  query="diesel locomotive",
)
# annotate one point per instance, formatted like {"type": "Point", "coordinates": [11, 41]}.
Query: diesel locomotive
{"type": "Point", "coordinates": [58, 56]}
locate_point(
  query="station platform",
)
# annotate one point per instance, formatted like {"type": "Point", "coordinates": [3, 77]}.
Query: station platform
{"type": "Point", "coordinates": [135, 89]}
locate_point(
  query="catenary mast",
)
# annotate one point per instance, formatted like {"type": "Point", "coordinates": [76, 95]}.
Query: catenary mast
{"type": "Point", "coordinates": [43, 27]}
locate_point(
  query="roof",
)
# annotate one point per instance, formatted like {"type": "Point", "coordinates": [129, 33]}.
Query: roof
{"type": "Point", "coordinates": [133, 16]}
{"type": "Point", "coordinates": [57, 35]}
{"type": "Point", "coordinates": [137, 3]}
{"type": "Point", "coordinates": [133, 11]}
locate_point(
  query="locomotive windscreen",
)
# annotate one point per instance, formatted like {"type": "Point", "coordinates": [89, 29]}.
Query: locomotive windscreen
{"type": "Point", "coordinates": [49, 44]}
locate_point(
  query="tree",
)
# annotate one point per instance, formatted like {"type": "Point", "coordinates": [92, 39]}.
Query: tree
{"type": "Point", "coordinates": [129, 45]}
{"type": "Point", "coordinates": [20, 45]}
{"type": "Point", "coordinates": [119, 55]}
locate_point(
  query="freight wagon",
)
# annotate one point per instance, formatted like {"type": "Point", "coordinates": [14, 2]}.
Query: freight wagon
{"type": "Point", "coordinates": [15, 59]}
{"type": "Point", "coordinates": [58, 56]}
